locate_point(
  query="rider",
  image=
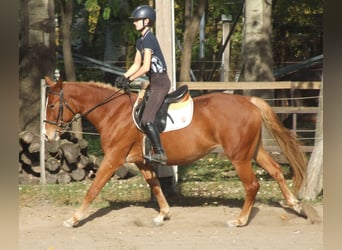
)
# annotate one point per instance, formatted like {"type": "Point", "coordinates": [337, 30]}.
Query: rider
{"type": "Point", "coordinates": [149, 59]}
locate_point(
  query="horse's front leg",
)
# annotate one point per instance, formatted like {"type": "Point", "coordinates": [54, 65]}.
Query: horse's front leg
{"type": "Point", "coordinates": [104, 173]}
{"type": "Point", "coordinates": [151, 178]}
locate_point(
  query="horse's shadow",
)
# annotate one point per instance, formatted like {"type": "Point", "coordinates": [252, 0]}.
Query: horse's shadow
{"type": "Point", "coordinates": [106, 210]}
{"type": "Point", "coordinates": [182, 201]}
{"type": "Point", "coordinates": [174, 201]}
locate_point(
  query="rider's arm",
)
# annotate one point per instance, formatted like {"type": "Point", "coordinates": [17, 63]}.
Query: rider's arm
{"type": "Point", "coordinates": [135, 66]}
{"type": "Point", "coordinates": [145, 67]}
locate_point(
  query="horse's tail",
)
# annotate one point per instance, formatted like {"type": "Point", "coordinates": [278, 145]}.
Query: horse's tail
{"type": "Point", "coordinates": [286, 140]}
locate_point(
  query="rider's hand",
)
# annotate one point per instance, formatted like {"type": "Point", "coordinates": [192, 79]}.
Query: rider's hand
{"type": "Point", "coordinates": [122, 82]}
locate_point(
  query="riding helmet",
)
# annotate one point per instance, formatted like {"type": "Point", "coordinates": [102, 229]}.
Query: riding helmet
{"type": "Point", "coordinates": [144, 11]}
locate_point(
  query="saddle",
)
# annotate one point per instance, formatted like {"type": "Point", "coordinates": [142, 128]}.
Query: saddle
{"type": "Point", "coordinates": [176, 96]}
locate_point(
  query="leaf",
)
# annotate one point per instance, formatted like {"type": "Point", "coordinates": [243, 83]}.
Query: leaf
{"type": "Point", "coordinates": [106, 13]}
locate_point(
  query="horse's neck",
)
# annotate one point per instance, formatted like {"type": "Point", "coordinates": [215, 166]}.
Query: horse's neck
{"type": "Point", "coordinates": [92, 101]}
{"type": "Point", "coordinates": [87, 96]}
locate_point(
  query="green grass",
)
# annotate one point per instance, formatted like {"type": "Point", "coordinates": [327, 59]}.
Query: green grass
{"type": "Point", "coordinates": [132, 190]}
{"type": "Point", "coordinates": [214, 177]}
{"type": "Point", "coordinates": [214, 168]}
{"type": "Point", "coordinates": [209, 181]}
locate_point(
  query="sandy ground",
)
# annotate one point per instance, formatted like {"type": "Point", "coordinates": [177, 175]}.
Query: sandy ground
{"type": "Point", "coordinates": [271, 227]}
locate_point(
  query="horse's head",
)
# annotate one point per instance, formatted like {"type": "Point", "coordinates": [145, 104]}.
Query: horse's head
{"type": "Point", "coordinates": [58, 112]}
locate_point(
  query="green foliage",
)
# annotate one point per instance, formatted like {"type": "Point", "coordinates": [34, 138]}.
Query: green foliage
{"type": "Point", "coordinates": [297, 30]}
{"type": "Point", "coordinates": [93, 9]}
{"type": "Point", "coordinates": [106, 13]}
{"type": "Point", "coordinates": [213, 31]}
{"type": "Point", "coordinates": [94, 145]}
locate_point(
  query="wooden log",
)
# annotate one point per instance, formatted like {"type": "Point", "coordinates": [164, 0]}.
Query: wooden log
{"type": "Point", "coordinates": [30, 162]}
{"type": "Point", "coordinates": [127, 170]}
{"type": "Point", "coordinates": [29, 170]}
{"type": "Point", "coordinates": [52, 165]}
{"type": "Point", "coordinates": [36, 167]}
{"type": "Point", "coordinates": [96, 160]}
{"type": "Point", "coordinates": [25, 178]}
{"type": "Point", "coordinates": [20, 169]}
{"type": "Point", "coordinates": [34, 145]}
{"type": "Point", "coordinates": [83, 162]}
{"type": "Point", "coordinates": [50, 178]}
{"type": "Point", "coordinates": [78, 174]}
{"type": "Point", "coordinates": [24, 158]}
{"type": "Point", "coordinates": [91, 175]}
{"type": "Point", "coordinates": [26, 137]}
{"type": "Point", "coordinates": [83, 145]}
{"type": "Point", "coordinates": [66, 166]}
{"type": "Point", "coordinates": [63, 178]}
{"type": "Point", "coordinates": [29, 159]}
{"type": "Point", "coordinates": [52, 147]}
{"type": "Point", "coordinates": [71, 152]}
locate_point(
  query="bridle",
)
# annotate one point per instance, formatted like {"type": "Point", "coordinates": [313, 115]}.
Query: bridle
{"type": "Point", "coordinates": [60, 123]}
{"type": "Point", "coordinates": [64, 126]}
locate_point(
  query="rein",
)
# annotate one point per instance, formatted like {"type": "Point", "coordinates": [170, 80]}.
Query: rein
{"type": "Point", "coordinates": [62, 102]}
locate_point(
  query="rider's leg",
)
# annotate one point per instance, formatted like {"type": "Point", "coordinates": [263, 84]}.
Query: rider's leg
{"type": "Point", "coordinates": [159, 152]}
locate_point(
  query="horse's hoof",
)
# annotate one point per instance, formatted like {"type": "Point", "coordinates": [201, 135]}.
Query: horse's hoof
{"type": "Point", "coordinates": [158, 221]}
{"type": "Point", "coordinates": [296, 207]}
{"type": "Point", "coordinates": [69, 223]}
{"type": "Point", "coordinates": [236, 223]}
{"type": "Point", "coordinates": [232, 223]}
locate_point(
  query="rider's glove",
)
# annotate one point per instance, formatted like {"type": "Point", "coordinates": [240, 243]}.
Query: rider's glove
{"type": "Point", "coordinates": [122, 82]}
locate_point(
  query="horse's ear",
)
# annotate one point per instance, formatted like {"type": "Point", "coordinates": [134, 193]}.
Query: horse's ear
{"type": "Point", "coordinates": [49, 81]}
{"type": "Point", "coordinates": [59, 83]}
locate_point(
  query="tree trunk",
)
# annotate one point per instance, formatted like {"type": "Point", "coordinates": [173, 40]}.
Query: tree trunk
{"type": "Point", "coordinates": [257, 47]}
{"type": "Point", "coordinates": [257, 52]}
{"type": "Point", "coordinates": [37, 58]}
{"type": "Point", "coordinates": [314, 183]}
{"type": "Point", "coordinates": [69, 67]}
{"type": "Point", "coordinates": [190, 32]}
{"type": "Point", "coordinates": [66, 36]}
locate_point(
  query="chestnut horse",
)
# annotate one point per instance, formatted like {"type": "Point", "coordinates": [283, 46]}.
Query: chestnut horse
{"type": "Point", "coordinates": [233, 122]}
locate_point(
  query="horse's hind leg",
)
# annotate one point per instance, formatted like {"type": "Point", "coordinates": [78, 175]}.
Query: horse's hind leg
{"type": "Point", "coordinates": [251, 186]}
{"type": "Point", "coordinates": [273, 168]}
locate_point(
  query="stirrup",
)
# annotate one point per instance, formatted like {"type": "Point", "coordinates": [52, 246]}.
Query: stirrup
{"type": "Point", "coordinates": [157, 158]}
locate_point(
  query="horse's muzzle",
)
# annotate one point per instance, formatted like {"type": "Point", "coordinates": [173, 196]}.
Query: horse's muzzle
{"type": "Point", "coordinates": [51, 135]}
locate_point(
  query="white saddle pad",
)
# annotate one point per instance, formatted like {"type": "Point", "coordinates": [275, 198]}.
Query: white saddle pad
{"type": "Point", "coordinates": [179, 114]}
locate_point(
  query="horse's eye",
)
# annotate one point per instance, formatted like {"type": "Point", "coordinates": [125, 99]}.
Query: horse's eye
{"type": "Point", "coordinates": [52, 106]}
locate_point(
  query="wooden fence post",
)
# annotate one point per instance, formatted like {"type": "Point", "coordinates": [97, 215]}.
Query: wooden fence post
{"type": "Point", "coordinates": [165, 36]}
{"type": "Point", "coordinates": [42, 131]}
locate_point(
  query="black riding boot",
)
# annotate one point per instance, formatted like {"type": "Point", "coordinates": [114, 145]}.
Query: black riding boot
{"type": "Point", "coordinates": [159, 153]}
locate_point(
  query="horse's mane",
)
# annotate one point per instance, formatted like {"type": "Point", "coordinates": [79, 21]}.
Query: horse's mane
{"type": "Point", "coordinates": [96, 84]}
